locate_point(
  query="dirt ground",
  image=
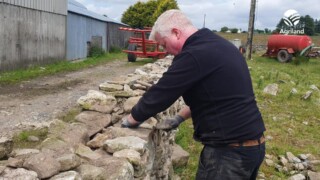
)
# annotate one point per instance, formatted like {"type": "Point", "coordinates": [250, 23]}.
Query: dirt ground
{"type": "Point", "coordinates": [39, 101]}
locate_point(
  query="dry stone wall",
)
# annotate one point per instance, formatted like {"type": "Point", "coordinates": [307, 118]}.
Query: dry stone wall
{"type": "Point", "coordinates": [94, 146]}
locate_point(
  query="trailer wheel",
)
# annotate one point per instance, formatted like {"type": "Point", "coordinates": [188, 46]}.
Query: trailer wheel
{"type": "Point", "coordinates": [283, 56]}
{"type": "Point", "coordinates": [131, 56]}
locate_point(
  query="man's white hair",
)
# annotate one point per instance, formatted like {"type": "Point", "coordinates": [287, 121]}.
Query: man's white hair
{"type": "Point", "coordinates": [170, 19]}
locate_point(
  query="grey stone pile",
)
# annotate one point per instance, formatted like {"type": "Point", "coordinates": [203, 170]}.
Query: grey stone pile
{"type": "Point", "coordinates": [273, 89]}
{"type": "Point", "coordinates": [299, 167]}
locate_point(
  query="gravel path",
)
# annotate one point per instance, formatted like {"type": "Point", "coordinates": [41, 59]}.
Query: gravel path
{"type": "Point", "coordinates": [38, 101]}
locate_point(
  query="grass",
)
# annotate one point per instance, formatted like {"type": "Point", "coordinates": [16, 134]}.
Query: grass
{"type": "Point", "coordinates": [17, 76]}
{"type": "Point", "coordinates": [20, 140]}
{"type": "Point", "coordinates": [292, 122]}
{"type": "Point", "coordinates": [69, 117]}
{"type": "Point", "coordinates": [185, 139]}
{"type": "Point", "coordinates": [259, 39]}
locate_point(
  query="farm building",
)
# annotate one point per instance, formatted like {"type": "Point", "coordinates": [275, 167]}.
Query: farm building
{"type": "Point", "coordinates": [116, 38]}
{"type": "Point", "coordinates": [32, 32]}
{"type": "Point", "coordinates": [86, 29]}
{"type": "Point", "coordinates": [36, 32]}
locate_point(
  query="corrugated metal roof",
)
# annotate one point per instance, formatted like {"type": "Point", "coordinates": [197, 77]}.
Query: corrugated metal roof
{"type": "Point", "coordinates": [53, 6]}
{"type": "Point", "coordinates": [76, 3]}
{"type": "Point", "coordinates": [76, 7]}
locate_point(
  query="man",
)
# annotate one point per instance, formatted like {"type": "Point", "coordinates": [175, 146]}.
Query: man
{"type": "Point", "coordinates": [213, 78]}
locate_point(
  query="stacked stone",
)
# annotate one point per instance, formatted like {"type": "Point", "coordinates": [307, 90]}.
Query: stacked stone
{"type": "Point", "coordinates": [94, 146]}
{"type": "Point", "coordinates": [298, 167]}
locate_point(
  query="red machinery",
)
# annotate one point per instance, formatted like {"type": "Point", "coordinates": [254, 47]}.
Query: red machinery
{"type": "Point", "coordinates": [140, 46]}
{"type": "Point", "coordinates": [285, 46]}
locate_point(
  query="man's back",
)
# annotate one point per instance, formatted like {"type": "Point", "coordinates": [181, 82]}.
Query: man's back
{"type": "Point", "coordinates": [221, 98]}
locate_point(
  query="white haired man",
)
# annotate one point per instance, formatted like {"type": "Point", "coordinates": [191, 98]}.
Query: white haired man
{"type": "Point", "coordinates": [213, 78]}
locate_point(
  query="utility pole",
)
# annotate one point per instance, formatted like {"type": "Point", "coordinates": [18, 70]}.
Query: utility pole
{"type": "Point", "coordinates": [250, 29]}
{"type": "Point", "coordinates": [204, 20]}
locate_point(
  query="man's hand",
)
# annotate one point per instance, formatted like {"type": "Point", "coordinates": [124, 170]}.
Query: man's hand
{"type": "Point", "coordinates": [129, 122]}
{"type": "Point", "coordinates": [170, 123]}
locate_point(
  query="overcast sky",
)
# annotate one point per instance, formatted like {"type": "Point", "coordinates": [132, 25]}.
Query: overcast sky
{"type": "Point", "coordinates": [219, 13]}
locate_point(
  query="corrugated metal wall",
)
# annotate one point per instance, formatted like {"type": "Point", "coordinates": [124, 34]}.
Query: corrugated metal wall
{"type": "Point", "coordinates": [29, 37]}
{"type": "Point", "coordinates": [80, 31]}
{"type": "Point", "coordinates": [54, 6]}
{"type": "Point", "coordinates": [117, 38]}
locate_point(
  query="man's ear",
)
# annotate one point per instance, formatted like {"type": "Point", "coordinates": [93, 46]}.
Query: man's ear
{"type": "Point", "coordinates": [176, 32]}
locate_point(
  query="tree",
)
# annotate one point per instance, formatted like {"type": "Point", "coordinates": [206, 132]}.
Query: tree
{"type": "Point", "coordinates": [164, 5]}
{"type": "Point", "coordinates": [259, 31]}
{"type": "Point", "coordinates": [309, 25]}
{"type": "Point", "coordinates": [140, 14]}
{"type": "Point", "coordinates": [144, 14]}
{"type": "Point", "coordinates": [317, 26]}
{"type": "Point", "coordinates": [280, 25]}
{"type": "Point", "coordinates": [267, 31]}
{"type": "Point", "coordinates": [234, 30]}
{"type": "Point", "coordinates": [224, 29]}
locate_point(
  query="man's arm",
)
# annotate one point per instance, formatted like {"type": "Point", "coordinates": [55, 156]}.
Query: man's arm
{"type": "Point", "coordinates": [129, 122]}
{"type": "Point", "coordinates": [182, 74]}
{"type": "Point", "coordinates": [174, 122]}
{"type": "Point", "coordinates": [182, 115]}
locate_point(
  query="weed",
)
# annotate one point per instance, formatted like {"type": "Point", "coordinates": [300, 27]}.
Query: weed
{"type": "Point", "coordinates": [115, 49]}
{"type": "Point", "coordinates": [20, 140]}
{"type": "Point", "coordinates": [96, 51]}
{"type": "Point", "coordinates": [69, 116]}
{"type": "Point", "coordinates": [260, 83]}
{"type": "Point", "coordinates": [300, 59]}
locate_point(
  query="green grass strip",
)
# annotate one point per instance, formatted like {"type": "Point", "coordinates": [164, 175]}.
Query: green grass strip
{"type": "Point", "coordinates": [12, 77]}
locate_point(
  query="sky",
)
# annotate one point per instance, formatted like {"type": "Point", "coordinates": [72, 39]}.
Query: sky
{"type": "Point", "coordinates": [215, 14]}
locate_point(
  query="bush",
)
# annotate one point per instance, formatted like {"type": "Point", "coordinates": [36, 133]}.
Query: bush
{"type": "Point", "coordinates": [96, 51]}
{"type": "Point", "coordinates": [300, 59]}
{"type": "Point", "coordinates": [224, 29]}
{"type": "Point", "coordinates": [234, 30]}
{"type": "Point", "coordinates": [115, 49]}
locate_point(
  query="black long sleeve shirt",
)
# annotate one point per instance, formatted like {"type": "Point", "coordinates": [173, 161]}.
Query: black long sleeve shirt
{"type": "Point", "coordinates": [213, 78]}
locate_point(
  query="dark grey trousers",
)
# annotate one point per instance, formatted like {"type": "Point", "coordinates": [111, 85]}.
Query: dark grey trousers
{"type": "Point", "coordinates": [234, 163]}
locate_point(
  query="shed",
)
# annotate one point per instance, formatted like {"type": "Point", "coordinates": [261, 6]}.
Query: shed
{"type": "Point", "coordinates": [86, 29]}
{"type": "Point", "coordinates": [32, 32]}
{"type": "Point", "coordinates": [116, 38]}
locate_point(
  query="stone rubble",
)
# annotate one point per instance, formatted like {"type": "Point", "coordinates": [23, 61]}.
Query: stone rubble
{"type": "Point", "coordinates": [271, 89]}
{"type": "Point", "coordinates": [314, 87]}
{"type": "Point", "coordinates": [307, 95]}
{"type": "Point", "coordinates": [6, 146]}
{"type": "Point", "coordinates": [179, 156]}
{"type": "Point", "coordinates": [300, 167]}
{"type": "Point", "coordinates": [94, 146]}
